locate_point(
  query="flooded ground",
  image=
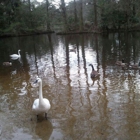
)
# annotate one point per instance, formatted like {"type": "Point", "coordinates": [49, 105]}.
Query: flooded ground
{"type": "Point", "coordinates": [105, 108]}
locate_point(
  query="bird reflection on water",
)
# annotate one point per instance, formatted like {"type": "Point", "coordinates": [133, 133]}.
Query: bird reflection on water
{"type": "Point", "coordinates": [44, 129]}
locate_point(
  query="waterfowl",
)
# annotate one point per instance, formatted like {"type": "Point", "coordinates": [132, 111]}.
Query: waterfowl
{"type": "Point", "coordinates": [7, 63]}
{"type": "Point", "coordinates": [93, 72]}
{"type": "Point", "coordinates": [72, 49]}
{"type": "Point", "coordinates": [41, 105]}
{"type": "Point", "coordinates": [135, 66]}
{"type": "Point", "coordinates": [15, 56]}
{"type": "Point", "coordinates": [121, 63]}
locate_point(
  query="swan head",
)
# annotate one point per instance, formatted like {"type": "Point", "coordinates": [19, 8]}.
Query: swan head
{"type": "Point", "coordinates": [37, 80]}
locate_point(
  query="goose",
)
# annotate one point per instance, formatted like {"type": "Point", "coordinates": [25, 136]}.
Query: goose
{"type": "Point", "coordinates": [15, 56]}
{"type": "Point", "coordinates": [72, 49]}
{"type": "Point", "coordinates": [7, 63]}
{"type": "Point", "coordinates": [121, 63]}
{"type": "Point", "coordinates": [41, 105]}
{"type": "Point", "coordinates": [93, 72]}
{"type": "Point", "coordinates": [135, 66]}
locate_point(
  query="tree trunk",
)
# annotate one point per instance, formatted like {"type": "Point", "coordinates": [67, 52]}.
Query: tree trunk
{"type": "Point", "coordinates": [64, 15]}
{"type": "Point", "coordinates": [81, 15]}
{"type": "Point", "coordinates": [95, 13]}
{"type": "Point", "coordinates": [48, 15]}
{"type": "Point", "coordinates": [31, 25]}
{"type": "Point", "coordinates": [75, 13]}
{"type": "Point", "coordinates": [134, 9]}
{"type": "Point", "coordinates": [29, 5]}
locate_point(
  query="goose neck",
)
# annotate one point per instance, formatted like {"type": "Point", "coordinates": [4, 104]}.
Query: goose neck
{"type": "Point", "coordinates": [92, 67]}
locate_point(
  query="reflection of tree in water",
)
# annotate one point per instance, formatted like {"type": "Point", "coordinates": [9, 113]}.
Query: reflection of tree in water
{"type": "Point", "coordinates": [121, 45]}
{"type": "Point", "coordinates": [35, 58]}
{"type": "Point", "coordinates": [51, 50]}
{"type": "Point", "coordinates": [68, 63]}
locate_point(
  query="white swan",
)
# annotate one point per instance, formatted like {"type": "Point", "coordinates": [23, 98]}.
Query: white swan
{"type": "Point", "coordinates": [15, 56]}
{"type": "Point", "coordinates": [41, 105]}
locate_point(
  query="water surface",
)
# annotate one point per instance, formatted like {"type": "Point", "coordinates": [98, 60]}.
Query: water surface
{"type": "Point", "coordinates": [105, 108]}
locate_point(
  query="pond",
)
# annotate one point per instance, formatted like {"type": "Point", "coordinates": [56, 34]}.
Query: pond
{"type": "Point", "coordinates": [104, 108]}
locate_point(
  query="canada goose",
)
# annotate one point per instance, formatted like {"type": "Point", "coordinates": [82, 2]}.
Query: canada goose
{"type": "Point", "coordinates": [121, 63]}
{"type": "Point", "coordinates": [7, 63]}
{"type": "Point", "coordinates": [41, 105]}
{"type": "Point", "coordinates": [15, 56]}
{"type": "Point", "coordinates": [72, 50]}
{"type": "Point", "coordinates": [135, 66]}
{"type": "Point", "coordinates": [93, 72]}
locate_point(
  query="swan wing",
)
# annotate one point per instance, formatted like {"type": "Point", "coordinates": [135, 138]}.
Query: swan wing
{"type": "Point", "coordinates": [14, 55]}
{"type": "Point", "coordinates": [47, 104]}
{"type": "Point", "coordinates": [42, 107]}
{"type": "Point", "coordinates": [35, 104]}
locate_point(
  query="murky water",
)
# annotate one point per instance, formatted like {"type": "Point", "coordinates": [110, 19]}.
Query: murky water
{"type": "Point", "coordinates": [82, 109]}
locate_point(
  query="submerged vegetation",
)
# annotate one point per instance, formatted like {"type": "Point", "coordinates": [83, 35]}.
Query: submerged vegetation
{"type": "Point", "coordinates": [23, 17]}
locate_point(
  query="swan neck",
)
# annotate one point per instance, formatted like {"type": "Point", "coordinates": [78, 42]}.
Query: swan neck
{"type": "Point", "coordinates": [40, 91]}
{"type": "Point", "coordinates": [19, 53]}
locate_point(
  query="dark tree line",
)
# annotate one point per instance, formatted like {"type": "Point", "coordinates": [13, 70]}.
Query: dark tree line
{"type": "Point", "coordinates": [26, 16]}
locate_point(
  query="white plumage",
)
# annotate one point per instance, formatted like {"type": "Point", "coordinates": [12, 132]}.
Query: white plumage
{"type": "Point", "coordinates": [15, 56]}
{"type": "Point", "coordinates": [41, 105]}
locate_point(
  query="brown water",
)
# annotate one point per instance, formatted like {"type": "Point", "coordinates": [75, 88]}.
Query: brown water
{"type": "Point", "coordinates": [107, 108]}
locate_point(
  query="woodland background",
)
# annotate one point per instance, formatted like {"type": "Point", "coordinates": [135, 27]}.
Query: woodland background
{"type": "Point", "coordinates": [21, 17]}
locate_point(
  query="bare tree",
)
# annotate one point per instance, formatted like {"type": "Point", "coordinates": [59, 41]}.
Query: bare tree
{"type": "Point", "coordinates": [63, 7]}
{"type": "Point", "coordinates": [75, 12]}
{"type": "Point", "coordinates": [95, 13]}
{"type": "Point", "coordinates": [48, 15]}
{"type": "Point", "coordinates": [81, 15]}
{"type": "Point", "coordinates": [29, 2]}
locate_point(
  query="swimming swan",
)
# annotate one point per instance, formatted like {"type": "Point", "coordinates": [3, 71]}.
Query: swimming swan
{"type": "Point", "coordinates": [41, 105]}
{"type": "Point", "coordinates": [93, 72]}
{"type": "Point", "coordinates": [15, 56]}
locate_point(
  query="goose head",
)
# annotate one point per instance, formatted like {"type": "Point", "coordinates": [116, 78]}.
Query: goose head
{"type": "Point", "coordinates": [91, 66]}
